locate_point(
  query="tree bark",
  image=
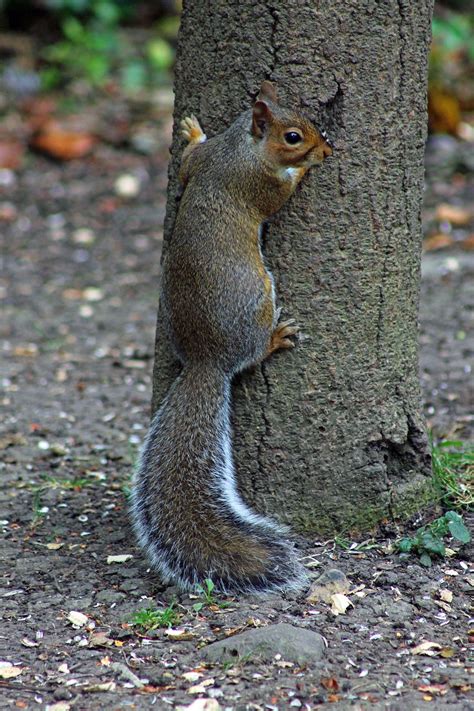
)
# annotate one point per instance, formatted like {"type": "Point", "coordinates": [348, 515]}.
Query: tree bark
{"type": "Point", "coordinates": [329, 436]}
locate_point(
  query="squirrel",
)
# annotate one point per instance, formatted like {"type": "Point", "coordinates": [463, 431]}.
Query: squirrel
{"type": "Point", "coordinates": [218, 305]}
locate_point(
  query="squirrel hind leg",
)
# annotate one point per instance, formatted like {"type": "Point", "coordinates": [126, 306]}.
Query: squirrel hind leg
{"type": "Point", "coordinates": [191, 130]}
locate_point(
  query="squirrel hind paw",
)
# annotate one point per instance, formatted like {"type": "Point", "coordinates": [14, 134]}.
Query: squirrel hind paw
{"type": "Point", "coordinates": [191, 130]}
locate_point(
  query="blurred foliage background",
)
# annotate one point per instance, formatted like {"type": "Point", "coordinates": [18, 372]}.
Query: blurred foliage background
{"type": "Point", "coordinates": [129, 45]}
{"type": "Point", "coordinates": [49, 44]}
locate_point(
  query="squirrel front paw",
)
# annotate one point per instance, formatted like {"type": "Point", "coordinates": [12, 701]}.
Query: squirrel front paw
{"type": "Point", "coordinates": [281, 336]}
{"type": "Point", "coordinates": [191, 130]}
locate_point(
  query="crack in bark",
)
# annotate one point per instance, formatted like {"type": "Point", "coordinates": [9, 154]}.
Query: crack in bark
{"type": "Point", "coordinates": [273, 34]}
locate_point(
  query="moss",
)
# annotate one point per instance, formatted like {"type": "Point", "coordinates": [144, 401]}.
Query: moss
{"type": "Point", "coordinates": [411, 498]}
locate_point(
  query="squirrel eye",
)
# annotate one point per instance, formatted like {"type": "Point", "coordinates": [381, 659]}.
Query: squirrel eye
{"type": "Point", "coordinates": [293, 137]}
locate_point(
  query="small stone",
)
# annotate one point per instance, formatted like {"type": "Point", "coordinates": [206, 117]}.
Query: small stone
{"type": "Point", "coordinates": [127, 186]}
{"type": "Point", "coordinates": [293, 643]}
{"type": "Point", "coordinates": [330, 583]}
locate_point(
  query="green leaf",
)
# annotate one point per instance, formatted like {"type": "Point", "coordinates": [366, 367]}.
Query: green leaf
{"type": "Point", "coordinates": [160, 54]}
{"type": "Point", "coordinates": [425, 560]}
{"type": "Point", "coordinates": [133, 75]}
{"type": "Point", "coordinates": [197, 607]}
{"type": "Point", "coordinates": [405, 545]}
{"type": "Point", "coordinates": [459, 531]}
{"type": "Point", "coordinates": [209, 585]}
{"type": "Point", "coordinates": [432, 544]}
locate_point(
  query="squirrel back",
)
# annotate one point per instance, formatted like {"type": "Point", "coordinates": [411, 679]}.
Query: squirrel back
{"type": "Point", "coordinates": [219, 308]}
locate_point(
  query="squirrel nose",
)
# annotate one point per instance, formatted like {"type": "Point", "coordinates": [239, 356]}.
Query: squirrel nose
{"type": "Point", "coordinates": [327, 150]}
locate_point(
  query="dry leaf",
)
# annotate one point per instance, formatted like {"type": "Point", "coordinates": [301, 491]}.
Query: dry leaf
{"type": "Point", "coordinates": [179, 634]}
{"type": "Point", "coordinates": [330, 683]}
{"type": "Point", "coordinates": [437, 689]}
{"type": "Point", "coordinates": [62, 144]}
{"type": "Point", "coordinates": [445, 595]}
{"type": "Point", "coordinates": [106, 686]}
{"type": "Point", "coordinates": [9, 670]}
{"type": "Point", "coordinates": [191, 675]}
{"type": "Point", "coordinates": [58, 706]}
{"type": "Point", "coordinates": [11, 153]}
{"type": "Point", "coordinates": [54, 546]}
{"type": "Point", "coordinates": [340, 603]}
{"type": "Point", "coordinates": [100, 639]}
{"type": "Point", "coordinates": [430, 649]}
{"type": "Point", "coordinates": [28, 642]}
{"type": "Point", "coordinates": [78, 619]}
{"type": "Point", "coordinates": [327, 585]}
{"type": "Point", "coordinates": [437, 241]}
{"type": "Point", "coordinates": [201, 688]}
{"type": "Point", "coordinates": [118, 558]}
{"type": "Point", "coordinates": [201, 705]}
{"type": "Point", "coordinates": [453, 214]}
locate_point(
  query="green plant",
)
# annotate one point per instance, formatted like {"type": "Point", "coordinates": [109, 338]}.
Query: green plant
{"type": "Point", "coordinates": [205, 590]}
{"type": "Point", "coordinates": [453, 473]}
{"type": "Point", "coordinates": [353, 547]}
{"type": "Point", "coordinates": [151, 619]}
{"type": "Point", "coordinates": [94, 48]}
{"type": "Point", "coordinates": [428, 541]}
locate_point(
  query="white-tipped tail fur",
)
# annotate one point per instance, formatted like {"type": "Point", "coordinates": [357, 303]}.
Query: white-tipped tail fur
{"type": "Point", "coordinates": [187, 512]}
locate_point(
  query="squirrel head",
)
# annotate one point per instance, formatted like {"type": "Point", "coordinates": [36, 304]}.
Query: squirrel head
{"type": "Point", "coordinates": [287, 138]}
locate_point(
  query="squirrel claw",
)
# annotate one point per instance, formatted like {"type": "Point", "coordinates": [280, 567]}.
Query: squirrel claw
{"type": "Point", "coordinates": [281, 336]}
{"type": "Point", "coordinates": [191, 130]}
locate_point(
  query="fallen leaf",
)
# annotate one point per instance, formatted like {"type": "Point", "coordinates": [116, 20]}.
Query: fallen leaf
{"type": "Point", "coordinates": [437, 689]}
{"type": "Point", "coordinates": [62, 144]}
{"type": "Point", "coordinates": [54, 546]}
{"type": "Point", "coordinates": [118, 558]}
{"type": "Point", "coordinates": [179, 634]}
{"type": "Point", "coordinates": [100, 639]}
{"type": "Point", "coordinates": [438, 241]}
{"type": "Point", "coordinates": [447, 653]}
{"type": "Point", "coordinates": [330, 683]}
{"type": "Point", "coordinates": [201, 688]}
{"type": "Point", "coordinates": [201, 705]}
{"type": "Point", "coordinates": [445, 595]}
{"type": "Point", "coordinates": [340, 603]}
{"type": "Point", "coordinates": [454, 214]}
{"type": "Point", "coordinates": [106, 686]}
{"type": "Point", "coordinates": [105, 661]}
{"type": "Point", "coordinates": [9, 670]}
{"type": "Point", "coordinates": [58, 706]}
{"type": "Point", "coordinates": [28, 642]}
{"type": "Point", "coordinates": [12, 440]}
{"type": "Point", "coordinates": [430, 649]}
{"type": "Point", "coordinates": [11, 153]}
{"type": "Point", "coordinates": [191, 675]}
{"type": "Point", "coordinates": [327, 585]}
{"type": "Point", "coordinates": [78, 619]}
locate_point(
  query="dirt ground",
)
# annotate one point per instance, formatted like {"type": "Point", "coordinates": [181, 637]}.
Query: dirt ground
{"type": "Point", "coordinates": [79, 293]}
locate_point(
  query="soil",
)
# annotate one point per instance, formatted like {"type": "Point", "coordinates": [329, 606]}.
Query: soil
{"type": "Point", "coordinates": [79, 295]}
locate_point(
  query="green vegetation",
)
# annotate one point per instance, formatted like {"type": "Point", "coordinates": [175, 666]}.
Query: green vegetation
{"type": "Point", "coordinates": [103, 41]}
{"type": "Point", "coordinates": [205, 590]}
{"type": "Point", "coordinates": [428, 541]}
{"type": "Point", "coordinates": [453, 473]}
{"type": "Point", "coordinates": [151, 619]}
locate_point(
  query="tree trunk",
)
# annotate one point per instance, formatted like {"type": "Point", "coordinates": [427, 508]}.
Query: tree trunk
{"type": "Point", "coordinates": [329, 436]}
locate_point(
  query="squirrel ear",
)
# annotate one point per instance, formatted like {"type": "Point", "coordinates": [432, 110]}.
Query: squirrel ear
{"type": "Point", "coordinates": [268, 91]}
{"type": "Point", "coordinates": [261, 117]}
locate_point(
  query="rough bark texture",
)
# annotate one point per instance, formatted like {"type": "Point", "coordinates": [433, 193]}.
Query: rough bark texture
{"type": "Point", "coordinates": [328, 436]}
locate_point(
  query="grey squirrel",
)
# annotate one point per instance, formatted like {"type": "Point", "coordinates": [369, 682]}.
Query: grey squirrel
{"type": "Point", "coordinates": [218, 303]}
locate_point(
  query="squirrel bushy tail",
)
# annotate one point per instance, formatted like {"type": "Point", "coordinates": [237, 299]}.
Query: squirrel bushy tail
{"type": "Point", "coordinates": [186, 509]}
